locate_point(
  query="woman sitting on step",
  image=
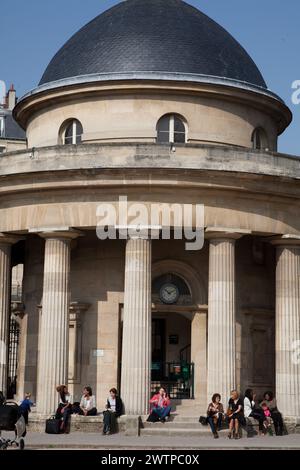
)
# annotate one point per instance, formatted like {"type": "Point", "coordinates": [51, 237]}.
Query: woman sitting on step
{"type": "Point", "coordinates": [161, 406]}
{"type": "Point", "coordinates": [235, 414]}
{"type": "Point", "coordinates": [64, 409]}
{"type": "Point", "coordinates": [87, 406]}
{"type": "Point", "coordinates": [114, 409]}
{"type": "Point", "coordinates": [215, 414]}
{"type": "Point", "coordinates": [251, 411]}
{"type": "Point", "coordinates": [270, 401]}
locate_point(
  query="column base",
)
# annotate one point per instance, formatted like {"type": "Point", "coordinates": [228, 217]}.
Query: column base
{"type": "Point", "coordinates": [292, 424]}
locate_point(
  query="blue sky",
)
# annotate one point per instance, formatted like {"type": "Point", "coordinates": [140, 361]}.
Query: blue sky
{"type": "Point", "coordinates": [31, 32]}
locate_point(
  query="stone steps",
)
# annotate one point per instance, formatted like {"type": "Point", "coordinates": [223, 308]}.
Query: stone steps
{"type": "Point", "coordinates": [177, 432]}
{"type": "Point", "coordinates": [173, 425]}
{"type": "Point", "coordinates": [178, 429]}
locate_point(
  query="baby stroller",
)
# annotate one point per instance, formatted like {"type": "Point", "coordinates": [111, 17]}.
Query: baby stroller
{"type": "Point", "coordinates": [12, 420]}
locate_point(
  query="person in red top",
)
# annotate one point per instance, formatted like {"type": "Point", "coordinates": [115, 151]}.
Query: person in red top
{"type": "Point", "coordinates": [161, 405]}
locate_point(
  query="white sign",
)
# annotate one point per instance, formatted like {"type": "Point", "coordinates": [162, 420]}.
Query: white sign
{"type": "Point", "coordinates": [98, 352]}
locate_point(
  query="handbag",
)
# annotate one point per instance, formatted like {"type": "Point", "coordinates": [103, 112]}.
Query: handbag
{"type": "Point", "coordinates": [153, 418]}
{"type": "Point", "coordinates": [203, 420]}
{"type": "Point", "coordinates": [53, 425]}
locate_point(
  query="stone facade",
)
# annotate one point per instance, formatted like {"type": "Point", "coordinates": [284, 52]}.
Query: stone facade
{"type": "Point", "coordinates": [89, 306]}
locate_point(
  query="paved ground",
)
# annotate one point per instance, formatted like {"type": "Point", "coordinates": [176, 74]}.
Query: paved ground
{"type": "Point", "coordinates": [79, 440]}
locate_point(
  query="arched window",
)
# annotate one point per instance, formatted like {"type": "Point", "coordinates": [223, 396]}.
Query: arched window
{"type": "Point", "coordinates": [71, 132]}
{"type": "Point", "coordinates": [171, 129]}
{"type": "Point", "coordinates": [259, 139]}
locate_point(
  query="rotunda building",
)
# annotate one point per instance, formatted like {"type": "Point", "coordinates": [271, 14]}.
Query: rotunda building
{"type": "Point", "coordinates": [152, 107]}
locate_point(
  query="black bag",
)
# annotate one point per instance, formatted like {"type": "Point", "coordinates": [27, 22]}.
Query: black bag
{"type": "Point", "coordinates": [203, 420]}
{"type": "Point", "coordinates": [9, 415]}
{"type": "Point", "coordinates": [53, 426]}
{"type": "Point", "coordinates": [153, 418]}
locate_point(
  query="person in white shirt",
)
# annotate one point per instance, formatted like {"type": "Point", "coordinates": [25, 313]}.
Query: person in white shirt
{"type": "Point", "coordinates": [88, 403]}
{"type": "Point", "coordinates": [114, 409]}
{"type": "Point", "coordinates": [250, 410]}
{"type": "Point", "coordinates": [64, 409]}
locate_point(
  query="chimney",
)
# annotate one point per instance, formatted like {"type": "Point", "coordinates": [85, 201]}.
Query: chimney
{"type": "Point", "coordinates": [11, 98]}
{"type": "Point", "coordinates": [2, 94]}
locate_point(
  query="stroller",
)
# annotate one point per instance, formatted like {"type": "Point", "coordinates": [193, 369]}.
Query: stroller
{"type": "Point", "coordinates": [11, 420]}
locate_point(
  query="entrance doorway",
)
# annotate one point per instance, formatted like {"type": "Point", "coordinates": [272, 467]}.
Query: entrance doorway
{"type": "Point", "coordinates": [171, 355]}
{"type": "Point", "coordinates": [158, 348]}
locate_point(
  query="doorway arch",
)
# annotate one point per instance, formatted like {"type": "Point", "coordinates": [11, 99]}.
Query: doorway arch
{"type": "Point", "coordinates": [177, 329]}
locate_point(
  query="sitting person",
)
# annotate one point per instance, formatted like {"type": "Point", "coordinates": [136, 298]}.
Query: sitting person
{"type": "Point", "coordinates": [25, 406]}
{"type": "Point", "coordinates": [276, 416]}
{"type": "Point", "coordinates": [114, 409]}
{"type": "Point", "coordinates": [235, 414]}
{"type": "Point", "coordinates": [64, 409]}
{"type": "Point", "coordinates": [161, 406]}
{"type": "Point", "coordinates": [215, 413]}
{"type": "Point", "coordinates": [251, 411]}
{"type": "Point", "coordinates": [267, 413]}
{"type": "Point", "coordinates": [87, 406]}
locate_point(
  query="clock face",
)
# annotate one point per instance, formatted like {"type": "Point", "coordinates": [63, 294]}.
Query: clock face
{"type": "Point", "coordinates": [169, 293]}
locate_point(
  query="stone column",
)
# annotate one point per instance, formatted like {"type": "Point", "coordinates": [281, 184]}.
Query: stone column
{"type": "Point", "coordinates": [6, 242]}
{"type": "Point", "coordinates": [54, 327]}
{"type": "Point", "coordinates": [288, 326]}
{"type": "Point", "coordinates": [199, 356]}
{"type": "Point", "coordinates": [77, 310]}
{"type": "Point", "coordinates": [136, 351]}
{"type": "Point", "coordinates": [221, 353]}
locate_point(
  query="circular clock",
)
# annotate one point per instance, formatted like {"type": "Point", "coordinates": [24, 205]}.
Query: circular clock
{"type": "Point", "coordinates": [169, 293]}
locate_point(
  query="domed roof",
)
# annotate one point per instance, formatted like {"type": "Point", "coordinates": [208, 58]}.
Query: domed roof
{"type": "Point", "coordinates": [168, 36]}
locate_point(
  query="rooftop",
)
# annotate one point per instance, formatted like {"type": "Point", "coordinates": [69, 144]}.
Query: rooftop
{"type": "Point", "coordinates": [153, 36]}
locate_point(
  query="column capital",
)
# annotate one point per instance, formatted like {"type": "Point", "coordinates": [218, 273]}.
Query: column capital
{"type": "Point", "coordinates": [214, 233]}
{"type": "Point", "coordinates": [9, 238]}
{"type": "Point", "coordinates": [77, 309]}
{"type": "Point", "coordinates": [285, 240]}
{"type": "Point", "coordinates": [139, 232]}
{"type": "Point", "coordinates": [62, 233]}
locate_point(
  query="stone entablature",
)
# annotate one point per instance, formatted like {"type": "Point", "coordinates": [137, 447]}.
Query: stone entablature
{"type": "Point", "coordinates": [253, 191]}
{"type": "Point", "coordinates": [133, 155]}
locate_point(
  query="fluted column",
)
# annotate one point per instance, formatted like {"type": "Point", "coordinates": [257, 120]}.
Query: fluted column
{"type": "Point", "coordinates": [221, 353]}
{"type": "Point", "coordinates": [136, 352]}
{"type": "Point", "coordinates": [6, 242]}
{"type": "Point", "coordinates": [54, 326]}
{"type": "Point", "coordinates": [288, 326]}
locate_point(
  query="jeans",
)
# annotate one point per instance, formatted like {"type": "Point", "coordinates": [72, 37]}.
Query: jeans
{"type": "Point", "coordinates": [109, 421]}
{"type": "Point", "coordinates": [64, 416]}
{"type": "Point", "coordinates": [259, 416]}
{"type": "Point", "coordinates": [212, 421]}
{"type": "Point", "coordinates": [24, 413]}
{"type": "Point", "coordinates": [162, 412]}
{"type": "Point", "coordinates": [278, 422]}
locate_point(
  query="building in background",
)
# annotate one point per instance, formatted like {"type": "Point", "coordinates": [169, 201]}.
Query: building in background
{"type": "Point", "coordinates": [12, 136]}
{"type": "Point", "coordinates": [154, 101]}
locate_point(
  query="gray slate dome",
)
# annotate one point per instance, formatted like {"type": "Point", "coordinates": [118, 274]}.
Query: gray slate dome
{"type": "Point", "coordinates": [153, 36]}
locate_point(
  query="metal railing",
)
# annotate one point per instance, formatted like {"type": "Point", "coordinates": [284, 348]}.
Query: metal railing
{"type": "Point", "coordinates": [176, 377]}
